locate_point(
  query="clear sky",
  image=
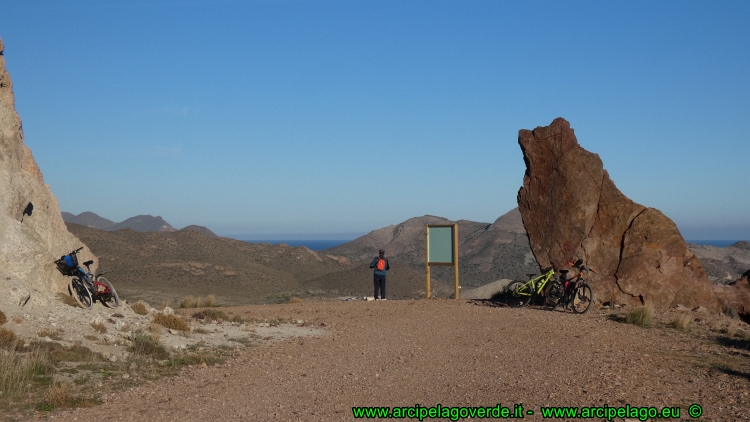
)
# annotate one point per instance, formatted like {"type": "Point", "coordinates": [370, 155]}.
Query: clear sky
{"type": "Point", "coordinates": [294, 119]}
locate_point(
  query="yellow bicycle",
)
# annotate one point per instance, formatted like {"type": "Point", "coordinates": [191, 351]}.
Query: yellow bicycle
{"type": "Point", "coordinates": [519, 293]}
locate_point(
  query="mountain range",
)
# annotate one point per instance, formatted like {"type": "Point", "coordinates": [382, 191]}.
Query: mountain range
{"type": "Point", "coordinates": [149, 258]}
{"type": "Point", "coordinates": [487, 252]}
{"type": "Point", "coordinates": [139, 223]}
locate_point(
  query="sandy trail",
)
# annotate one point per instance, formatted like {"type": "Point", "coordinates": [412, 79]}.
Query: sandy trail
{"type": "Point", "coordinates": [453, 353]}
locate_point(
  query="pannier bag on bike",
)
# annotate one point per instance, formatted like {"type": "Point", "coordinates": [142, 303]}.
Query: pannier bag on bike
{"type": "Point", "coordinates": [67, 264]}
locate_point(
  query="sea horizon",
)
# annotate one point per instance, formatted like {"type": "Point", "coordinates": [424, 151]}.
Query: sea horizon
{"type": "Point", "coordinates": [312, 244]}
{"type": "Point", "coordinates": [717, 243]}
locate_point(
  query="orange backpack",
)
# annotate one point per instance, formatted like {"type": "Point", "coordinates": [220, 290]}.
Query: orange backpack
{"type": "Point", "coordinates": [381, 264]}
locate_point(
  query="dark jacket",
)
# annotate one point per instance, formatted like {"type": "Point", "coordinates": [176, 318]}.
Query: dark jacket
{"type": "Point", "coordinates": [375, 263]}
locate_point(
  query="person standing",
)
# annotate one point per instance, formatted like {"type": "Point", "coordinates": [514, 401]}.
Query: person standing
{"type": "Point", "coordinates": [380, 264]}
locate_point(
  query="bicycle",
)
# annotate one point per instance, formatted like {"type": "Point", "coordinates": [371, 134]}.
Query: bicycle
{"type": "Point", "coordinates": [576, 294]}
{"type": "Point", "coordinates": [84, 286]}
{"type": "Point", "coordinates": [520, 293]}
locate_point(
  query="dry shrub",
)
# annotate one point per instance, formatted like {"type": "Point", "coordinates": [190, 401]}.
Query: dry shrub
{"type": "Point", "coordinates": [59, 396]}
{"type": "Point", "coordinates": [3, 318]}
{"type": "Point", "coordinates": [681, 322]}
{"type": "Point", "coordinates": [211, 301]}
{"type": "Point", "coordinates": [198, 302]}
{"type": "Point", "coordinates": [54, 335]}
{"type": "Point", "coordinates": [642, 316]}
{"type": "Point", "coordinates": [295, 300]}
{"type": "Point", "coordinates": [188, 302]}
{"type": "Point", "coordinates": [145, 345]}
{"type": "Point", "coordinates": [163, 305]}
{"type": "Point", "coordinates": [213, 314]}
{"type": "Point", "coordinates": [140, 307]}
{"type": "Point", "coordinates": [7, 338]}
{"type": "Point", "coordinates": [171, 321]}
{"type": "Point", "coordinates": [98, 326]}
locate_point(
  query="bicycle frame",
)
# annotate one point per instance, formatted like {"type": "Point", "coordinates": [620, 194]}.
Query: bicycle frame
{"type": "Point", "coordinates": [537, 283]}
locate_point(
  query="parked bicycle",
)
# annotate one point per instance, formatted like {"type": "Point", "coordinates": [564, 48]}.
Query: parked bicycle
{"type": "Point", "coordinates": [574, 293]}
{"type": "Point", "coordinates": [85, 287]}
{"type": "Point", "coordinates": [520, 293]}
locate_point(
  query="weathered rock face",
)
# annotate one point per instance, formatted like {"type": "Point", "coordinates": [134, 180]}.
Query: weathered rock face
{"type": "Point", "coordinates": [32, 232]}
{"type": "Point", "coordinates": [571, 209]}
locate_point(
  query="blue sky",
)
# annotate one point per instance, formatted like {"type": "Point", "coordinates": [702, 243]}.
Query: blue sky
{"type": "Point", "coordinates": [294, 119]}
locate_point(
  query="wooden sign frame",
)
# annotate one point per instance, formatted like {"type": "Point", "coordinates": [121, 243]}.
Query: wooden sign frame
{"type": "Point", "coordinates": [438, 252]}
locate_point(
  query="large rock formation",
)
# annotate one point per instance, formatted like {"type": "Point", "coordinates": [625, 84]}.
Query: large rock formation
{"type": "Point", "coordinates": [32, 231]}
{"type": "Point", "coordinates": [571, 209]}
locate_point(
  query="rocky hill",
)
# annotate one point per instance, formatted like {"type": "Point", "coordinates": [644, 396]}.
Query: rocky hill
{"type": "Point", "coordinates": [487, 252]}
{"type": "Point", "coordinates": [723, 265]}
{"type": "Point", "coordinates": [158, 266]}
{"type": "Point", "coordinates": [139, 223]}
{"type": "Point", "coordinates": [32, 231]}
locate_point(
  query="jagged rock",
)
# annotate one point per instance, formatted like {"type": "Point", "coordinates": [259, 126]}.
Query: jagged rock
{"type": "Point", "coordinates": [571, 209]}
{"type": "Point", "coordinates": [736, 295]}
{"type": "Point", "coordinates": [32, 231]}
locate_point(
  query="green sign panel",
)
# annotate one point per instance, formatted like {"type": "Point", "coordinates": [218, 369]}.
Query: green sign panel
{"type": "Point", "coordinates": [440, 245]}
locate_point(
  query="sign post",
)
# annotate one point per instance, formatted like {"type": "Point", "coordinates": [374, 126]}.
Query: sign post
{"type": "Point", "coordinates": [442, 249]}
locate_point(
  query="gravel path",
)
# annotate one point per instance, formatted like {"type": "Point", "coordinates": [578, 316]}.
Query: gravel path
{"type": "Point", "coordinates": [452, 353]}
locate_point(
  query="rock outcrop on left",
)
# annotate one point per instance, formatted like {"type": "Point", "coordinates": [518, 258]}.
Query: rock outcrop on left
{"type": "Point", "coordinates": [571, 209]}
{"type": "Point", "coordinates": [32, 231]}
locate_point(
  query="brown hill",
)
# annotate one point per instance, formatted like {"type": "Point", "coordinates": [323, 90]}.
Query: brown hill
{"type": "Point", "coordinates": [200, 229]}
{"type": "Point", "coordinates": [144, 223]}
{"type": "Point", "coordinates": [487, 252]}
{"type": "Point", "coordinates": [157, 266]}
{"type": "Point", "coordinates": [88, 219]}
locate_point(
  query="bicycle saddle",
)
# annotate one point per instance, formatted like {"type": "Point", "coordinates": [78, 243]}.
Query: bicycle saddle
{"type": "Point", "coordinates": [87, 263]}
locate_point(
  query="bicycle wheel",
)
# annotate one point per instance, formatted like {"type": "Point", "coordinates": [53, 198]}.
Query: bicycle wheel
{"type": "Point", "coordinates": [553, 295]}
{"type": "Point", "coordinates": [106, 293]}
{"type": "Point", "coordinates": [582, 298]}
{"type": "Point", "coordinates": [80, 293]}
{"type": "Point", "coordinates": [519, 293]}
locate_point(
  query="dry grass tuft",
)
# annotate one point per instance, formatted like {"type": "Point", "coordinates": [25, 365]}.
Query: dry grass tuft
{"type": "Point", "coordinates": [164, 304]}
{"type": "Point", "coordinates": [681, 323]}
{"type": "Point", "coordinates": [145, 345]}
{"type": "Point", "coordinates": [3, 318]}
{"type": "Point", "coordinates": [198, 302]}
{"type": "Point", "coordinates": [296, 300]}
{"type": "Point", "coordinates": [171, 321]}
{"type": "Point", "coordinates": [140, 307]}
{"type": "Point", "coordinates": [98, 326]}
{"type": "Point", "coordinates": [59, 396]}
{"type": "Point", "coordinates": [188, 302]}
{"type": "Point", "coordinates": [18, 368]}
{"type": "Point", "coordinates": [642, 316]}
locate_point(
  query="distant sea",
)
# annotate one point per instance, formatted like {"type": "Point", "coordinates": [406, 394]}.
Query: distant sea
{"type": "Point", "coordinates": [315, 245]}
{"type": "Point", "coordinates": [717, 243]}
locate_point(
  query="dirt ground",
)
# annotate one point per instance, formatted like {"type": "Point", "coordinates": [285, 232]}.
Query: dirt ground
{"type": "Point", "coordinates": [452, 353]}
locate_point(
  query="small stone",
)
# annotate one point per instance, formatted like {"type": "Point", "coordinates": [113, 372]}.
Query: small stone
{"type": "Point", "coordinates": [167, 311]}
{"type": "Point", "coordinates": [173, 331]}
{"type": "Point", "coordinates": [126, 375]}
{"type": "Point", "coordinates": [300, 322]}
{"type": "Point", "coordinates": [112, 358]}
